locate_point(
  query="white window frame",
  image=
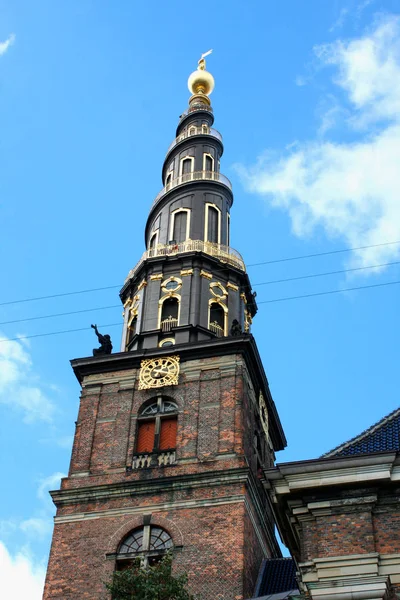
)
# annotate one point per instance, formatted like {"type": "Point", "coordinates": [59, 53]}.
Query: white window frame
{"type": "Point", "coordinates": [205, 154]}
{"type": "Point", "coordinates": [208, 204]}
{"type": "Point", "coordinates": [155, 233]}
{"type": "Point", "coordinates": [191, 158]}
{"type": "Point", "coordinates": [172, 222]}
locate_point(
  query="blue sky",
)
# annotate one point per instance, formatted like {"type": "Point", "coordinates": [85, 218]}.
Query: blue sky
{"type": "Point", "coordinates": [307, 98]}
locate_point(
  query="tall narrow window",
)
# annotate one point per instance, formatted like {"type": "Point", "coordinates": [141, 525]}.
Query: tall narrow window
{"type": "Point", "coordinates": [213, 225]}
{"type": "Point", "coordinates": [169, 314]}
{"type": "Point", "coordinates": [168, 180]}
{"type": "Point", "coordinates": [153, 240]}
{"type": "Point", "coordinates": [186, 169]}
{"type": "Point", "coordinates": [157, 427]}
{"type": "Point", "coordinates": [180, 226]}
{"type": "Point", "coordinates": [228, 229]}
{"type": "Point", "coordinates": [208, 164]}
{"type": "Point", "coordinates": [217, 319]}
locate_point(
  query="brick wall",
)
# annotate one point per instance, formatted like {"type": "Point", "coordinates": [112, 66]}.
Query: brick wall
{"type": "Point", "coordinates": [215, 539]}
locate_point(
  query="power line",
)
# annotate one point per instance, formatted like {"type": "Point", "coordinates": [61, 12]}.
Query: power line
{"type": "Point", "coordinates": [73, 312]}
{"type": "Point", "coordinates": [109, 287]}
{"type": "Point", "coordinates": [86, 310]}
{"type": "Point", "coordinates": [270, 262]}
{"type": "Point", "coordinates": [26, 337]}
{"type": "Point", "coordinates": [361, 287]}
{"type": "Point", "coordinates": [397, 262]}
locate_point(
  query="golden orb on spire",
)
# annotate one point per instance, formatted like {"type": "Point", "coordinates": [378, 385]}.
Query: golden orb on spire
{"type": "Point", "coordinates": [201, 81]}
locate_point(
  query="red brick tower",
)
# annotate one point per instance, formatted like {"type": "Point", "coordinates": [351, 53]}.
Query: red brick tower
{"type": "Point", "coordinates": [174, 430]}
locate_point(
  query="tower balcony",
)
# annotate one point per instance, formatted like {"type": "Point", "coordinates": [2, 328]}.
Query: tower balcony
{"type": "Point", "coordinates": [192, 131]}
{"type": "Point", "coordinates": [188, 178]}
{"type": "Point", "coordinates": [224, 254]}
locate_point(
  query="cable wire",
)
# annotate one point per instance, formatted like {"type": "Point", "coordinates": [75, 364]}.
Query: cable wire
{"type": "Point", "coordinates": [397, 262]}
{"type": "Point", "coordinates": [73, 312]}
{"type": "Point", "coordinates": [109, 287]}
{"type": "Point", "coordinates": [361, 287]}
{"type": "Point", "coordinates": [26, 337]}
{"type": "Point", "coordinates": [268, 262]}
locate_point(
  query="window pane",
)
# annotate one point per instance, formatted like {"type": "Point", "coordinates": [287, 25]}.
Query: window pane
{"type": "Point", "coordinates": [208, 163]}
{"type": "Point", "coordinates": [168, 433]}
{"type": "Point", "coordinates": [186, 166]}
{"type": "Point", "coordinates": [180, 221]}
{"type": "Point", "coordinates": [133, 543]}
{"type": "Point", "coordinates": [160, 539]}
{"type": "Point", "coordinates": [146, 436]}
{"type": "Point", "coordinates": [212, 234]}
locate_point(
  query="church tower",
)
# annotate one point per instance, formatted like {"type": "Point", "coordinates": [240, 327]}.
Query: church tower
{"type": "Point", "coordinates": [174, 430]}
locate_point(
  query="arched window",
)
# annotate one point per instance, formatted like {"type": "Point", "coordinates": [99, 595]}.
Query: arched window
{"type": "Point", "coordinates": [168, 180]}
{"type": "Point", "coordinates": [169, 314]}
{"type": "Point", "coordinates": [153, 240]}
{"type": "Point", "coordinates": [157, 427]}
{"type": "Point", "coordinates": [187, 168]}
{"type": "Point", "coordinates": [131, 329]}
{"type": "Point", "coordinates": [212, 224]}
{"type": "Point", "coordinates": [145, 546]}
{"type": "Point", "coordinates": [217, 319]}
{"type": "Point", "coordinates": [208, 164]}
{"type": "Point", "coordinates": [180, 225]}
{"type": "Point", "coordinates": [167, 342]}
{"type": "Point", "coordinates": [192, 130]}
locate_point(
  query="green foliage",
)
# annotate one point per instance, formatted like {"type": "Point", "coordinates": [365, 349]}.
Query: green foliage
{"type": "Point", "coordinates": [153, 583]}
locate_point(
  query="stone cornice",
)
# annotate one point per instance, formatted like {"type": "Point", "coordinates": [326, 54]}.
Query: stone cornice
{"type": "Point", "coordinates": [286, 478]}
{"type": "Point", "coordinates": [151, 486]}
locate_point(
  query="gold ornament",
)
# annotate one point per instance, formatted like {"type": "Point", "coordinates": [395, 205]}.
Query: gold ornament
{"type": "Point", "coordinates": [159, 372]}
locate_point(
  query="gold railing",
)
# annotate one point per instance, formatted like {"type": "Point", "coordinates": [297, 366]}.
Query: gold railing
{"type": "Point", "coordinates": [225, 254]}
{"type": "Point", "coordinates": [189, 177]}
{"type": "Point", "coordinates": [168, 324]}
{"type": "Point", "coordinates": [192, 130]}
{"type": "Point", "coordinates": [217, 329]}
{"type": "Point", "coordinates": [195, 108]}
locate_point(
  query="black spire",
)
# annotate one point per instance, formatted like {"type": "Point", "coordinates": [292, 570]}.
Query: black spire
{"type": "Point", "coordinates": [189, 285]}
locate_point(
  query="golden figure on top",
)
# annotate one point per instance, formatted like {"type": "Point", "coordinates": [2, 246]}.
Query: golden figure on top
{"type": "Point", "coordinates": [201, 82]}
{"type": "Point", "coordinates": [202, 62]}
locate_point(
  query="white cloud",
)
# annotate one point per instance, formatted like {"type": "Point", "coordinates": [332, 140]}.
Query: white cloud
{"type": "Point", "coordinates": [21, 577]}
{"type": "Point", "coordinates": [351, 189]}
{"type": "Point", "coordinates": [37, 527]}
{"type": "Point", "coordinates": [4, 46]}
{"type": "Point", "coordinates": [340, 20]}
{"type": "Point", "coordinates": [52, 482]}
{"type": "Point", "coordinates": [19, 387]}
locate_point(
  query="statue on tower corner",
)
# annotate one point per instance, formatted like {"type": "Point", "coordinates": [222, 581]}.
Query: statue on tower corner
{"type": "Point", "coordinates": [236, 328]}
{"type": "Point", "coordinates": [105, 343]}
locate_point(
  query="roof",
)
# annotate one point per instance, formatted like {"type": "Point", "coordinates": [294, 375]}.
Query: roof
{"type": "Point", "coordinates": [277, 575]}
{"type": "Point", "coordinates": [281, 596]}
{"type": "Point", "coordinates": [384, 436]}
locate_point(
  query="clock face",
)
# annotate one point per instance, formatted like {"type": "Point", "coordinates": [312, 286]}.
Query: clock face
{"type": "Point", "coordinates": [158, 372]}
